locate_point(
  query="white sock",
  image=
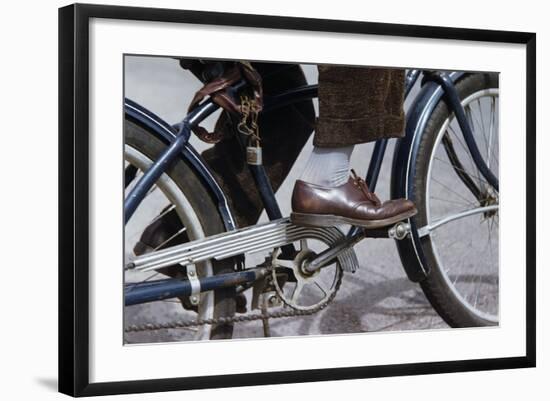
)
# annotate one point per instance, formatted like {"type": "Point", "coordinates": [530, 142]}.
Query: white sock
{"type": "Point", "coordinates": [328, 167]}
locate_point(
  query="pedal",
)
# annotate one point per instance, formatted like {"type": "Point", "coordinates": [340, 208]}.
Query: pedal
{"type": "Point", "coordinates": [399, 231]}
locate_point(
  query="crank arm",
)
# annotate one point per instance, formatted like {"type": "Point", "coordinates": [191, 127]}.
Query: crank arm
{"type": "Point", "coordinates": [398, 231]}
{"type": "Point", "coordinates": [326, 257]}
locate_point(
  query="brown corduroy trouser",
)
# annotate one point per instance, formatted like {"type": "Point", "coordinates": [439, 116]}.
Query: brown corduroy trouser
{"type": "Point", "coordinates": [356, 105]}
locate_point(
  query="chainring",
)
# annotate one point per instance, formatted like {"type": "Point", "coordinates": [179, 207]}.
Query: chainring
{"type": "Point", "coordinates": [310, 289]}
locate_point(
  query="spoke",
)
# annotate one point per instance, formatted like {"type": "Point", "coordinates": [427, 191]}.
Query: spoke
{"type": "Point", "coordinates": [482, 122]}
{"type": "Point", "coordinates": [469, 115]}
{"type": "Point", "coordinates": [486, 142]}
{"type": "Point", "coordinates": [131, 286]}
{"type": "Point", "coordinates": [169, 239]}
{"type": "Point", "coordinates": [477, 292]}
{"type": "Point", "coordinates": [303, 245]}
{"type": "Point", "coordinates": [464, 147]}
{"type": "Point", "coordinates": [448, 243]}
{"type": "Point", "coordinates": [496, 124]}
{"type": "Point", "coordinates": [493, 155]}
{"type": "Point", "coordinates": [472, 117]}
{"type": "Point", "coordinates": [492, 130]}
{"type": "Point", "coordinates": [457, 275]}
{"type": "Point", "coordinates": [481, 117]}
{"type": "Point", "coordinates": [489, 239]}
{"type": "Point", "coordinates": [491, 126]}
{"type": "Point", "coordinates": [449, 201]}
{"type": "Point", "coordinates": [481, 180]}
{"type": "Point", "coordinates": [458, 138]}
{"type": "Point", "coordinates": [162, 214]}
{"type": "Point", "coordinates": [483, 128]}
{"type": "Point", "coordinates": [492, 222]}
{"type": "Point", "coordinates": [454, 192]}
{"type": "Point", "coordinates": [489, 249]}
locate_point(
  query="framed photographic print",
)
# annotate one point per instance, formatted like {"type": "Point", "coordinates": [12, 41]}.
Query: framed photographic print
{"type": "Point", "coordinates": [251, 199]}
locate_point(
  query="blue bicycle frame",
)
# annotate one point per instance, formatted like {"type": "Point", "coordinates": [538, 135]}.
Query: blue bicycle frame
{"type": "Point", "coordinates": [435, 86]}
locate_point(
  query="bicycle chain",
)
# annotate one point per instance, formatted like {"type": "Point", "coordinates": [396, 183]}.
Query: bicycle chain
{"type": "Point", "coordinates": [181, 324]}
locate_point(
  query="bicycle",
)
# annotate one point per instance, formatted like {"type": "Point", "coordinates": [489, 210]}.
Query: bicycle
{"type": "Point", "coordinates": [208, 274]}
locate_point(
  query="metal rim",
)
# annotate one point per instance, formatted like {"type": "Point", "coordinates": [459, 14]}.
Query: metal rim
{"type": "Point", "coordinates": [192, 225]}
{"type": "Point", "coordinates": [432, 225]}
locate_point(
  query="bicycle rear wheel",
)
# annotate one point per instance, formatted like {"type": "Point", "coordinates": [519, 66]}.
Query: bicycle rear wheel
{"type": "Point", "coordinates": [458, 210]}
{"type": "Point", "coordinates": [176, 210]}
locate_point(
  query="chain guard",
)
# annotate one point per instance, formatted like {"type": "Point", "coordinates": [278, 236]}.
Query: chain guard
{"type": "Point", "coordinates": [347, 261]}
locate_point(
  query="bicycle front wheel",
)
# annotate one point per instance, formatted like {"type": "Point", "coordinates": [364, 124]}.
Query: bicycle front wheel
{"type": "Point", "coordinates": [458, 210]}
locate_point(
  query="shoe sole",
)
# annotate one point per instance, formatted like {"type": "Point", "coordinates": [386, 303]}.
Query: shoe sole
{"type": "Point", "coordinates": [330, 220]}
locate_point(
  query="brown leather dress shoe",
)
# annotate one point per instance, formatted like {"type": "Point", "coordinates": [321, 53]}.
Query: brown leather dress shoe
{"type": "Point", "coordinates": [351, 203]}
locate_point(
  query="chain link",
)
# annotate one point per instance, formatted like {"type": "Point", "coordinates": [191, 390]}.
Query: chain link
{"type": "Point", "coordinates": [181, 324]}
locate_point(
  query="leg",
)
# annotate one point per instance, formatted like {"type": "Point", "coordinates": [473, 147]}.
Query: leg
{"type": "Point", "coordinates": [356, 105]}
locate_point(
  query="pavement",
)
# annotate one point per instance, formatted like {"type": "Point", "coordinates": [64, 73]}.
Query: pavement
{"type": "Point", "coordinates": [378, 297]}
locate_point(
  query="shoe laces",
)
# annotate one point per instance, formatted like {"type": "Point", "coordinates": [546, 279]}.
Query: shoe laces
{"type": "Point", "coordinates": [362, 185]}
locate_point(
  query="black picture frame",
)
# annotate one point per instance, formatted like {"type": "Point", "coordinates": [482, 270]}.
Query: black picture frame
{"type": "Point", "coordinates": [74, 198]}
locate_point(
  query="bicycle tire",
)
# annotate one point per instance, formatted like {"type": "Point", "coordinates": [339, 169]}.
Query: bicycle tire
{"type": "Point", "coordinates": [187, 181]}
